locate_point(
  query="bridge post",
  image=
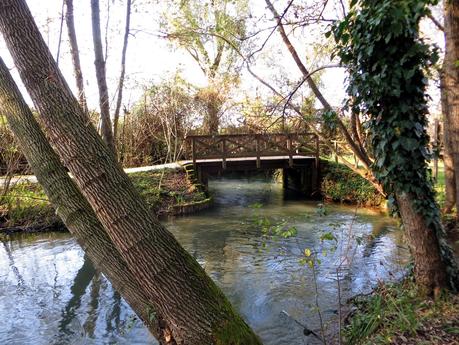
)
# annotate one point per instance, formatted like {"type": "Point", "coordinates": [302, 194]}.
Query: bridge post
{"type": "Point", "coordinates": [224, 153]}
{"type": "Point", "coordinates": [315, 172]}
{"type": "Point", "coordinates": [257, 150]}
{"type": "Point", "coordinates": [289, 149]}
{"type": "Point", "coordinates": [193, 151]}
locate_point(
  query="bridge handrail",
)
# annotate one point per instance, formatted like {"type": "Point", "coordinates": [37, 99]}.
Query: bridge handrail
{"type": "Point", "coordinates": [224, 146]}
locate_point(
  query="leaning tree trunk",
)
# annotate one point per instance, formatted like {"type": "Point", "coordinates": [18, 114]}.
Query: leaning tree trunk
{"type": "Point", "coordinates": [68, 201]}
{"type": "Point", "coordinates": [75, 54]}
{"type": "Point", "coordinates": [104, 104]}
{"type": "Point", "coordinates": [452, 82]}
{"type": "Point", "coordinates": [123, 71]}
{"type": "Point", "coordinates": [191, 306]}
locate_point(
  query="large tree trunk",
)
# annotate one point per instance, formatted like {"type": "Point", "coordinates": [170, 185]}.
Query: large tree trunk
{"type": "Point", "coordinates": [75, 54]}
{"type": "Point", "coordinates": [99, 62]}
{"type": "Point", "coordinates": [63, 193]}
{"type": "Point", "coordinates": [123, 71]}
{"type": "Point", "coordinates": [452, 82]}
{"type": "Point", "coordinates": [180, 292]}
{"type": "Point", "coordinates": [426, 246]}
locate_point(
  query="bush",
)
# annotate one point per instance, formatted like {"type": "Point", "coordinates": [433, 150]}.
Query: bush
{"type": "Point", "coordinates": [341, 184]}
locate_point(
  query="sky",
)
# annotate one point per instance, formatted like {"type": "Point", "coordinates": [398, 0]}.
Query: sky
{"type": "Point", "coordinates": [150, 58]}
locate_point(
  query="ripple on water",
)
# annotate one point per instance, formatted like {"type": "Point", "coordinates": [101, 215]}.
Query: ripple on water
{"type": "Point", "coordinates": [51, 294]}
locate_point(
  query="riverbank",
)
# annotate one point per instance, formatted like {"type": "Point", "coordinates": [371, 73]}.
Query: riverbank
{"type": "Point", "coordinates": [396, 314]}
{"type": "Point", "coordinates": [167, 191]}
{"type": "Point", "coordinates": [341, 184]}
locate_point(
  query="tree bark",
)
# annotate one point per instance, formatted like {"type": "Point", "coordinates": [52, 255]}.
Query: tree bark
{"type": "Point", "coordinates": [452, 83]}
{"type": "Point", "coordinates": [69, 19]}
{"type": "Point", "coordinates": [180, 292]}
{"type": "Point", "coordinates": [123, 71]}
{"type": "Point", "coordinates": [70, 204]}
{"type": "Point", "coordinates": [450, 181]}
{"type": "Point", "coordinates": [213, 105]}
{"type": "Point", "coordinates": [425, 246]}
{"type": "Point", "coordinates": [99, 62]}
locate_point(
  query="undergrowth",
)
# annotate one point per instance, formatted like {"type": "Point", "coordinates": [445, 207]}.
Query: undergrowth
{"type": "Point", "coordinates": [26, 204]}
{"type": "Point", "coordinates": [397, 314]}
{"type": "Point", "coordinates": [341, 184]}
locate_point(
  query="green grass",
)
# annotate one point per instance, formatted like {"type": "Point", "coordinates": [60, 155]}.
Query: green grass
{"type": "Point", "coordinates": [341, 184]}
{"type": "Point", "coordinates": [396, 314]}
{"type": "Point", "coordinates": [27, 205]}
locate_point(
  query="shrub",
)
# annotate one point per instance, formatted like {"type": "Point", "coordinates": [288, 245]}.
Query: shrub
{"type": "Point", "coordinates": [341, 184]}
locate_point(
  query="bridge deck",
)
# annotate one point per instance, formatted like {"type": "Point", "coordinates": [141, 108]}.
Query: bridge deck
{"type": "Point", "coordinates": [242, 159]}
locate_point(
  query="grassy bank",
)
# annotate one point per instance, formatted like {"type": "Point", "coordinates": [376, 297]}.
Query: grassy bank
{"type": "Point", "coordinates": [396, 314]}
{"type": "Point", "coordinates": [26, 205]}
{"type": "Point", "coordinates": [341, 184]}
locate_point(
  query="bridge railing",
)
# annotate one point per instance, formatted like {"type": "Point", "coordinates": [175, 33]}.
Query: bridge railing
{"type": "Point", "coordinates": [252, 145]}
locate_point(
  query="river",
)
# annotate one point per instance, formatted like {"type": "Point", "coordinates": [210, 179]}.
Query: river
{"type": "Point", "coordinates": [51, 294]}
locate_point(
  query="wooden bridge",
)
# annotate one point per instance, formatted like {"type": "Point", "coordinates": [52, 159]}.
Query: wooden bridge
{"type": "Point", "coordinates": [296, 153]}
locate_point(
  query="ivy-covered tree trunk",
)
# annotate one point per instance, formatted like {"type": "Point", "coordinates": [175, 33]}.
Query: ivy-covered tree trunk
{"type": "Point", "coordinates": [68, 201]}
{"type": "Point", "coordinates": [451, 72]}
{"type": "Point", "coordinates": [379, 43]}
{"type": "Point", "coordinates": [192, 308]}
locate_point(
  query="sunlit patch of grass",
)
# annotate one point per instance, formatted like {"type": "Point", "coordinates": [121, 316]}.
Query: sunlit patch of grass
{"type": "Point", "coordinates": [26, 203]}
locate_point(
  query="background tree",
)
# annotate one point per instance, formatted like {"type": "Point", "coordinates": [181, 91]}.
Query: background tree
{"type": "Point", "coordinates": [379, 43]}
{"type": "Point", "coordinates": [158, 123]}
{"type": "Point", "coordinates": [210, 31]}
{"type": "Point", "coordinates": [119, 97]}
{"type": "Point", "coordinates": [99, 62]}
{"type": "Point", "coordinates": [450, 101]}
{"type": "Point", "coordinates": [74, 51]}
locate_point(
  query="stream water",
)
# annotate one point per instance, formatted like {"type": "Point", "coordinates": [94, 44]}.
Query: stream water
{"type": "Point", "coordinates": [51, 294]}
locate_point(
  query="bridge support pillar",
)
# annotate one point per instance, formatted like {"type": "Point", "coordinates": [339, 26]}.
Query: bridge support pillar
{"type": "Point", "coordinates": [302, 179]}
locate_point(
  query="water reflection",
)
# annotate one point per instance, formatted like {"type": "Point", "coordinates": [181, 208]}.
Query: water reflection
{"type": "Point", "coordinates": [50, 293]}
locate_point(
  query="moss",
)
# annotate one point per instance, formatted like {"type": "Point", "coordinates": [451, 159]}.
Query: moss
{"type": "Point", "coordinates": [235, 332]}
{"type": "Point", "coordinates": [341, 184]}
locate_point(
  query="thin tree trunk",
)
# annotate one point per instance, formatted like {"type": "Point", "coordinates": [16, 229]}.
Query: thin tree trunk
{"type": "Point", "coordinates": [99, 62]}
{"type": "Point", "coordinates": [450, 182]}
{"type": "Point", "coordinates": [452, 83]}
{"type": "Point", "coordinates": [182, 295]}
{"type": "Point", "coordinates": [75, 54]}
{"type": "Point", "coordinates": [123, 71]}
{"type": "Point", "coordinates": [63, 193]}
{"type": "Point", "coordinates": [362, 155]}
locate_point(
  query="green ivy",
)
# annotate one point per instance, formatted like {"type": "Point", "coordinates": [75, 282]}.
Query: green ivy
{"type": "Point", "coordinates": [379, 43]}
